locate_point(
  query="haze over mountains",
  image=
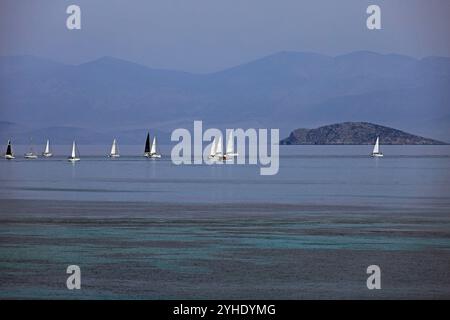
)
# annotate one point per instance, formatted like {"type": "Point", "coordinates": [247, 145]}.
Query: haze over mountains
{"type": "Point", "coordinates": [286, 90]}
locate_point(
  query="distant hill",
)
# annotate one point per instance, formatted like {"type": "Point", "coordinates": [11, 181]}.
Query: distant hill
{"type": "Point", "coordinates": [354, 133]}
{"type": "Point", "coordinates": [66, 134]}
{"type": "Point", "coordinates": [283, 90]}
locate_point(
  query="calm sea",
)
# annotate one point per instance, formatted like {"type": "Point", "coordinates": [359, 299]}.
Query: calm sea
{"type": "Point", "coordinates": [148, 229]}
{"type": "Point", "coordinates": [406, 176]}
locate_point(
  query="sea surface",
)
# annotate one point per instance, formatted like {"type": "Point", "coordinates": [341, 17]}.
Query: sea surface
{"type": "Point", "coordinates": [149, 229]}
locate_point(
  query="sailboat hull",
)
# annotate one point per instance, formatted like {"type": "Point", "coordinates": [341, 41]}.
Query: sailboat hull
{"type": "Point", "coordinates": [229, 157]}
{"type": "Point", "coordinates": [377, 155]}
{"type": "Point", "coordinates": [30, 156]}
{"type": "Point", "coordinates": [73, 159]}
{"type": "Point", "coordinates": [114, 150]}
{"type": "Point", "coordinates": [150, 155]}
{"type": "Point", "coordinates": [47, 155]}
{"type": "Point", "coordinates": [9, 157]}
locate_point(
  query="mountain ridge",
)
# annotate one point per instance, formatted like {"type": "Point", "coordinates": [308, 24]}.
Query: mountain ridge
{"type": "Point", "coordinates": [282, 90]}
{"type": "Point", "coordinates": [275, 55]}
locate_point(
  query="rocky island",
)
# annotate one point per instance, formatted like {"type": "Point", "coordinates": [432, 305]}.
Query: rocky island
{"type": "Point", "coordinates": [355, 133]}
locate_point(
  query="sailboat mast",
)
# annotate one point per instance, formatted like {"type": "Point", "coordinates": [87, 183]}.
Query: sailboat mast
{"type": "Point", "coordinates": [212, 153]}
{"type": "Point", "coordinates": [147, 144]}
{"type": "Point", "coordinates": [376, 148]}
{"type": "Point", "coordinates": [219, 147]}
{"type": "Point", "coordinates": [153, 148]}
{"type": "Point", "coordinates": [73, 150]}
{"type": "Point", "coordinates": [9, 149]}
{"type": "Point", "coordinates": [230, 143]}
{"type": "Point", "coordinates": [31, 145]}
{"type": "Point", "coordinates": [113, 147]}
{"type": "Point", "coordinates": [47, 147]}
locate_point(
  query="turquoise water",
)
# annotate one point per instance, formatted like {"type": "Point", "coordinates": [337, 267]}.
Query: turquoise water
{"type": "Point", "coordinates": [146, 229]}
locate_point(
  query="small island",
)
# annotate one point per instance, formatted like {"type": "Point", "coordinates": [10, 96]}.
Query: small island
{"type": "Point", "coordinates": [349, 133]}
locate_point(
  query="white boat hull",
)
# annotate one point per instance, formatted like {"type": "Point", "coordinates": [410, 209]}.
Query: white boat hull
{"type": "Point", "coordinates": [9, 157]}
{"type": "Point", "coordinates": [73, 159]}
{"type": "Point", "coordinates": [114, 156]}
{"type": "Point", "coordinates": [218, 158]}
{"type": "Point", "coordinates": [377, 155]}
{"type": "Point", "coordinates": [30, 156]}
{"type": "Point", "coordinates": [47, 155]}
{"type": "Point", "coordinates": [149, 155]}
{"type": "Point", "coordinates": [229, 156]}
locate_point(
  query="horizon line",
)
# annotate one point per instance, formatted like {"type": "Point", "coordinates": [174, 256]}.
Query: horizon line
{"type": "Point", "coordinates": [57, 61]}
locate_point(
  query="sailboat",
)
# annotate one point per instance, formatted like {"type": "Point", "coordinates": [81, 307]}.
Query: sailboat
{"type": "Point", "coordinates": [219, 149]}
{"type": "Point", "coordinates": [31, 154]}
{"type": "Point", "coordinates": [147, 152]}
{"type": "Point", "coordinates": [212, 152]}
{"type": "Point", "coordinates": [230, 147]}
{"type": "Point", "coordinates": [73, 157]}
{"type": "Point", "coordinates": [114, 150]}
{"type": "Point", "coordinates": [9, 153]}
{"type": "Point", "coordinates": [216, 152]}
{"type": "Point", "coordinates": [153, 152]}
{"type": "Point", "coordinates": [47, 153]}
{"type": "Point", "coordinates": [376, 149]}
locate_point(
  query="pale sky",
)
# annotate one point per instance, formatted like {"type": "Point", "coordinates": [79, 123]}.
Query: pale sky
{"type": "Point", "coordinates": [210, 35]}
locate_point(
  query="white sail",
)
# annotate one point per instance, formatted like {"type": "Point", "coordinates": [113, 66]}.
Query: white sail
{"type": "Point", "coordinates": [73, 157]}
{"type": "Point", "coordinates": [47, 147]}
{"type": "Point", "coordinates": [219, 147]}
{"type": "Point", "coordinates": [376, 148]}
{"type": "Point", "coordinates": [114, 150]}
{"type": "Point", "coordinates": [212, 152]}
{"type": "Point", "coordinates": [74, 153]}
{"type": "Point", "coordinates": [47, 153]}
{"type": "Point", "coordinates": [230, 143]}
{"type": "Point", "coordinates": [153, 148]}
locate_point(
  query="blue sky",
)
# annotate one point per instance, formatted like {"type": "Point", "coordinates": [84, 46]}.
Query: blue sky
{"type": "Point", "coordinates": [209, 35]}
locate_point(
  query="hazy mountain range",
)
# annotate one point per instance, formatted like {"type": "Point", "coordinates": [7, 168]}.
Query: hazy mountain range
{"type": "Point", "coordinates": [286, 90]}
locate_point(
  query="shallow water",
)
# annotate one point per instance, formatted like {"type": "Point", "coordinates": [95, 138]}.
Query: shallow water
{"type": "Point", "coordinates": [143, 228]}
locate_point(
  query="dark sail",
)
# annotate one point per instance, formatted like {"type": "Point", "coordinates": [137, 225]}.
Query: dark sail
{"type": "Point", "coordinates": [147, 144]}
{"type": "Point", "coordinates": [8, 149]}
